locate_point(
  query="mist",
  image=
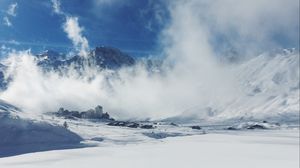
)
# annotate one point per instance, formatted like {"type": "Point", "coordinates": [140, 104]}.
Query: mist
{"type": "Point", "coordinates": [192, 77]}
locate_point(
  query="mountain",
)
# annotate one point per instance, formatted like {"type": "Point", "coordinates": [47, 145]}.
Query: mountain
{"type": "Point", "coordinates": [270, 91]}
{"type": "Point", "coordinates": [50, 55]}
{"type": "Point", "coordinates": [100, 57]}
{"type": "Point", "coordinates": [3, 82]}
{"type": "Point", "coordinates": [271, 84]}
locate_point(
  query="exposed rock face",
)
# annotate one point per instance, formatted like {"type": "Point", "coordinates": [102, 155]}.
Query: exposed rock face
{"type": "Point", "coordinates": [3, 81]}
{"type": "Point", "coordinates": [254, 125]}
{"type": "Point", "coordinates": [196, 127]}
{"type": "Point", "coordinates": [96, 113]}
{"type": "Point", "coordinates": [162, 135]}
{"type": "Point", "coordinates": [50, 59]}
{"type": "Point", "coordinates": [109, 57]}
{"type": "Point", "coordinates": [147, 126]}
{"type": "Point", "coordinates": [130, 124]}
{"type": "Point", "coordinates": [124, 124]}
{"type": "Point", "coordinates": [100, 57]}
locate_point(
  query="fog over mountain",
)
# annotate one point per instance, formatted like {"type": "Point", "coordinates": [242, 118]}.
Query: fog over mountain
{"type": "Point", "coordinates": [100, 73]}
{"type": "Point", "coordinates": [191, 75]}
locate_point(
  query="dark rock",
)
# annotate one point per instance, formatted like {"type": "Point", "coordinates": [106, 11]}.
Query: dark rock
{"type": "Point", "coordinates": [100, 57]}
{"type": "Point", "coordinates": [173, 124]}
{"type": "Point", "coordinates": [106, 116]}
{"type": "Point", "coordinates": [124, 124]}
{"type": "Point", "coordinates": [96, 113]}
{"type": "Point", "coordinates": [232, 128]}
{"type": "Point", "coordinates": [256, 126]}
{"type": "Point", "coordinates": [196, 127]}
{"type": "Point", "coordinates": [117, 123]}
{"type": "Point", "coordinates": [130, 124]}
{"type": "Point", "coordinates": [147, 126]}
{"type": "Point", "coordinates": [133, 125]}
{"type": "Point", "coordinates": [99, 139]}
{"type": "Point", "coordinates": [161, 135]}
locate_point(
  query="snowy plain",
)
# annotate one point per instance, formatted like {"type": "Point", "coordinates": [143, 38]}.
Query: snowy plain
{"type": "Point", "coordinates": [234, 149]}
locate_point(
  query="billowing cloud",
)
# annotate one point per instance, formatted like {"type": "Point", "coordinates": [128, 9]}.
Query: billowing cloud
{"type": "Point", "coordinates": [247, 26]}
{"type": "Point", "coordinates": [74, 32]}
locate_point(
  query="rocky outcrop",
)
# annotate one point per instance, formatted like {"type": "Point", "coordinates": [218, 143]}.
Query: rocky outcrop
{"type": "Point", "coordinates": [130, 124]}
{"type": "Point", "coordinates": [3, 81]}
{"type": "Point", "coordinates": [100, 58]}
{"type": "Point", "coordinates": [96, 113]}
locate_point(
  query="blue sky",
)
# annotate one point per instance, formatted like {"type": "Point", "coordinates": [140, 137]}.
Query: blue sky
{"type": "Point", "coordinates": [131, 27]}
{"type": "Point", "coordinates": [135, 26]}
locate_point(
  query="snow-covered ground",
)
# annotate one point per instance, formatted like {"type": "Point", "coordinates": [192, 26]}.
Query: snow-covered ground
{"type": "Point", "coordinates": [234, 149]}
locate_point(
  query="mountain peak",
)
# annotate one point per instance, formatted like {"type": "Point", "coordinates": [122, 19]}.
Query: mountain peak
{"type": "Point", "coordinates": [103, 57]}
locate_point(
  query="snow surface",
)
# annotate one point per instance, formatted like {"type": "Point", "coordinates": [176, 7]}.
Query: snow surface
{"type": "Point", "coordinates": [246, 149]}
{"type": "Point", "coordinates": [22, 135]}
{"type": "Point", "coordinates": [270, 91]}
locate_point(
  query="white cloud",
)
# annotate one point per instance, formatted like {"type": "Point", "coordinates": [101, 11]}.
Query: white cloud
{"type": "Point", "coordinates": [157, 11]}
{"type": "Point", "coordinates": [12, 9]}
{"type": "Point", "coordinates": [249, 25]}
{"type": "Point", "coordinates": [6, 21]}
{"type": "Point", "coordinates": [74, 32]}
{"type": "Point", "coordinates": [56, 6]}
{"type": "Point", "coordinates": [11, 12]}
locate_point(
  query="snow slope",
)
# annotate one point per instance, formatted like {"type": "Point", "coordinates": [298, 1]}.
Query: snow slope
{"type": "Point", "coordinates": [269, 90]}
{"type": "Point", "coordinates": [259, 149]}
{"type": "Point", "coordinates": [21, 135]}
{"type": "Point", "coordinates": [271, 83]}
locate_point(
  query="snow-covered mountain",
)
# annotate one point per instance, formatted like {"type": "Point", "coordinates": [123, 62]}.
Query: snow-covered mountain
{"type": "Point", "coordinates": [269, 83]}
{"type": "Point", "coordinates": [270, 86]}
{"type": "Point", "coordinates": [100, 57]}
{"type": "Point", "coordinates": [3, 82]}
